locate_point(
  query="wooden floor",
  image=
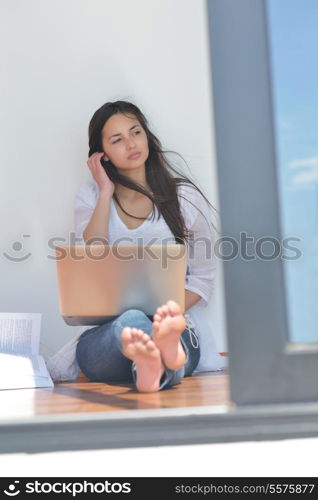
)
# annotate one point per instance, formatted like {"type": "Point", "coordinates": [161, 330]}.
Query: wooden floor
{"type": "Point", "coordinates": [84, 396]}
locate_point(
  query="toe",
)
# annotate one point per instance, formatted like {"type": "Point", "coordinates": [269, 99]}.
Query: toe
{"type": "Point", "coordinates": [155, 326]}
{"type": "Point", "coordinates": [159, 311]}
{"type": "Point", "coordinates": [171, 309]}
{"type": "Point", "coordinates": [135, 334]}
{"type": "Point", "coordinates": [165, 309]}
{"type": "Point", "coordinates": [139, 334]}
{"type": "Point", "coordinates": [157, 317]}
{"type": "Point", "coordinates": [145, 338]}
{"type": "Point", "coordinates": [126, 333]}
{"type": "Point", "coordinates": [151, 346]}
{"type": "Point", "coordinates": [174, 307]}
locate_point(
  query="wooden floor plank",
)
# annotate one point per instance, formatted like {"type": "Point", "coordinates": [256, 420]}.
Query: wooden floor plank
{"type": "Point", "coordinates": [83, 396]}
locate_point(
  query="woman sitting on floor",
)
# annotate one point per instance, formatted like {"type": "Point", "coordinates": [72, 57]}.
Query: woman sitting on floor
{"type": "Point", "coordinates": [132, 184]}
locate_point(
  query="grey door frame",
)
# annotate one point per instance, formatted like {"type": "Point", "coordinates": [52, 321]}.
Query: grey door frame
{"type": "Point", "coordinates": [161, 427]}
{"type": "Point", "coordinates": [264, 366]}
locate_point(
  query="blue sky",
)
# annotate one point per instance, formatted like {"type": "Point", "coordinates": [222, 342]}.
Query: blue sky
{"type": "Point", "coordinates": [293, 29]}
{"type": "Point", "coordinates": [293, 33]}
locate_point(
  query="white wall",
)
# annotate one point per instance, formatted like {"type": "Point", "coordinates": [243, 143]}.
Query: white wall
{"type": "Point", "coordinates": [63, 60]}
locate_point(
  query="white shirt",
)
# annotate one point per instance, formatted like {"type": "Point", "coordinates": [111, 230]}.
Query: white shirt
{"type": "Point", "coordinates": [200, 277]}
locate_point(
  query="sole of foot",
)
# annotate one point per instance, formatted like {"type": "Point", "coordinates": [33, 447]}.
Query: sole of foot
{"type": "Point", "coordinates": [168, 324]}
{"type": "Point", "coordinates": [138, 346]}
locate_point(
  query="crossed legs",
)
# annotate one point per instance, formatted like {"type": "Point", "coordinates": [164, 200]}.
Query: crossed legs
{"type": "Point", "coordinates": [148, 351]}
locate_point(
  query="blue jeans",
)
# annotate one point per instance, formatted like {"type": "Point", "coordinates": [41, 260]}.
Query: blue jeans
{"type": "Point", "coordinates": [99, 351]}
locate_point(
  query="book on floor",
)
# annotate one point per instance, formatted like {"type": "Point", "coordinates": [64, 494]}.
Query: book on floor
{"type": "Point", "coordinates": [21, 365]}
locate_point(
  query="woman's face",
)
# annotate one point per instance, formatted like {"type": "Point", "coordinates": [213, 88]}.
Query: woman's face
{"type": "Point", "coordinates": [121, 136]}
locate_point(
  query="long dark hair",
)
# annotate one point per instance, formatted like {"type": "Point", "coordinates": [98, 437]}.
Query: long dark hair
{"type": "Point", "coordinates": [161, 181]}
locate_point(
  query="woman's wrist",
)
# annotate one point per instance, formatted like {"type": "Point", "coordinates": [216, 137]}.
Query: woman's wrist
{"type": "Point", "coordinates": [105, 192]}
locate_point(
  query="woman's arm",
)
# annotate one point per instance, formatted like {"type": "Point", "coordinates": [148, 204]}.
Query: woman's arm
{"type": "Point", "coordinates": [201, 261]}
{"type": "Point", "coordinates": [92, 209]}
{"type": "Point", "coordinates": [98, 224]}
{"type": "Point", "coordinates": [191, 298]}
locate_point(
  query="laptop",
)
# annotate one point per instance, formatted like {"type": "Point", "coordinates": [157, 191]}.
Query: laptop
{"type": "Point", "coordinates": [99, 282]}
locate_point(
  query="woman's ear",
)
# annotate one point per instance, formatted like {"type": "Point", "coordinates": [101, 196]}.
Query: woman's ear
{"type": "Point", "coordinates": [105, 157]}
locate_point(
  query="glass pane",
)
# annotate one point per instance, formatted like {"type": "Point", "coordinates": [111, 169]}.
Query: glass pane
{"type": "Point", "coordinates": [293, 43]}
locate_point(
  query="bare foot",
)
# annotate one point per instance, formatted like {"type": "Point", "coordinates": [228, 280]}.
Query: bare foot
{"type": "Point", "coordinates": [168, 324]}
{"type": "Point", "coordinates": [139, 347]}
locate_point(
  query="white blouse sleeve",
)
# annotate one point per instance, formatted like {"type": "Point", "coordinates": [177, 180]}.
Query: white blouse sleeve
{"type": "Point", "coordinates": [84, 206]}
{"type": "Point", "coordinates": [201, 262]}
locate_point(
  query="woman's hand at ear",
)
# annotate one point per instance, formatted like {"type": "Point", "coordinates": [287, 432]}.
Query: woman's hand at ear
{"type": "Point", "coordinates": [98, 172]}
